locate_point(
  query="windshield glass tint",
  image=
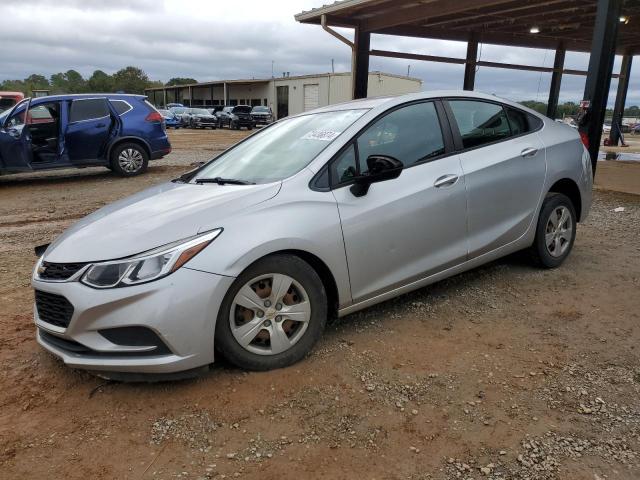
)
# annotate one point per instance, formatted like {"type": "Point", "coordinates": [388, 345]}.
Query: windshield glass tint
{"type": "Point", "coordinates": [260, 110]}
{"type": "Point", "coordinates": [242, 109]}
{"type": "Point", "coordinates": [199, 111]}
{"type": "Point", "coordinates": [282, 149]}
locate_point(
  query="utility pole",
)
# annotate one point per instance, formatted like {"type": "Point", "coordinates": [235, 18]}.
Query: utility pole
{"type": "Point", "coordinates": [332, 67]}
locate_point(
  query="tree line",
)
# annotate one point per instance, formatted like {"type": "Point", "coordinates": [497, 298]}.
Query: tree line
{"type": "Point", "coordinates": [570, 109]}
{"type": "Point", "coordinates": [135, 80]}
{"type": "Point", "coordinates": [128, 80]}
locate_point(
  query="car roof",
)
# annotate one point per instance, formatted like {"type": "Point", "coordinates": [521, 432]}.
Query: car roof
{"type": "Point", "coordinates": [389, 101]}
{"type": "Point", "coordinates": [76, 96]}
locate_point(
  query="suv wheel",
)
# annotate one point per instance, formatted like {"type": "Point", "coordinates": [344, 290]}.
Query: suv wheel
{"type": "Point", "coordinates": [555, 232]}
{"type": "Point", "coordinates": [272, 315]}
{"type": "Point", "coordinates": [129, 159]}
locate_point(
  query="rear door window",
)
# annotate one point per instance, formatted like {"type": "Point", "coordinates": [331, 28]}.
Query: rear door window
{"type": "Point", "coordinates": [480, 122]}
{"type": "Point", "coordinates": [88, 109]}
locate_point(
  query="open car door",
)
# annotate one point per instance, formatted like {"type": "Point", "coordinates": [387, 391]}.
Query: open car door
{"type": "Point", "coordinates": [15, 140]}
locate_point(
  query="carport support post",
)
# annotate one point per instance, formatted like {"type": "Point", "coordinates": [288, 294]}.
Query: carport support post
{"type": "Point", "coordinates": [596, 89]}
{"type": "Point", "coordinates": [470, 64]}
{"type": "Point", "coordinates": [164, 97]}
{"type": "Point", "coordinates": [360, 63]}
{"type": "Point", "coordinates": [225, 94]}
{"type": "Point", "coordinates": [621, 98]}
{"type": "Point", "coordinates": [556, 80]}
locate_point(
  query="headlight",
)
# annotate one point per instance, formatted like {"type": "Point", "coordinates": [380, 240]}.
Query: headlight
{"type": "Point", "coordinates": [147, 266]}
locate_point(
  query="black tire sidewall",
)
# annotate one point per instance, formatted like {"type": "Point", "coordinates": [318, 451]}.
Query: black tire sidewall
{"type": "Point", "coordinates": [303, 273]}
{"type": "Point", "coordinates": [115, 166]}
{"type": "Point", "coordinates": [541, 253]}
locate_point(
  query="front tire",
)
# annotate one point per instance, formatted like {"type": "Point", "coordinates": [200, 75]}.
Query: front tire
{"type": "Point", "coordinates": [129, 159]}
{"type": "Point", "coordinates": [555, 232]}
{"type": "Point", "coordinates": [273, 314]}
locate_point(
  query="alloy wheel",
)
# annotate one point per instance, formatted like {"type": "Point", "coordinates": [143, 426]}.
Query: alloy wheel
{"type": "Point", "coordinates": [130, 160]}
{"type": "Point", "coordinates": [270, 314]}
{"type": "Point", "coordinates": [558, 231]}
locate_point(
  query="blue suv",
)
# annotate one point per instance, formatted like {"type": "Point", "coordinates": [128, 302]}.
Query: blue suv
{"type": "Point", "coordinates": [120, 132]}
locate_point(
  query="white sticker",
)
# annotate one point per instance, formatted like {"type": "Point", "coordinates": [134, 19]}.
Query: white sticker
{"type": "Point", "coordinates": [323, 135]}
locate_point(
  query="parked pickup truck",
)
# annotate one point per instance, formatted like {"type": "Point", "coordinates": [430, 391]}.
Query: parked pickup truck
{"type": "Point", "coordinates": [9, 99]}
{"type": "Point", "coordinates": [235, 117]}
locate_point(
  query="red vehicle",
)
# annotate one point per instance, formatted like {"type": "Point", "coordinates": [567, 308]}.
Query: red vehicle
{"type": "Point", "coordinates": [9, 99]}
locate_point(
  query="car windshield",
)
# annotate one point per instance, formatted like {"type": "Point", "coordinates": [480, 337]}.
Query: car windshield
{"type": "Point", "coordinates": [242, 109]}
{"type": "Point", "coordinates": [166, 113]}
{"type": "Point", "coordinates": [199, 111]}
{"type": "Point", "coordinates": [178, 110]}
{"type": "Point", "coordinates": [281, 150]}
{"type": "Point", "coordinates": [260, 110]}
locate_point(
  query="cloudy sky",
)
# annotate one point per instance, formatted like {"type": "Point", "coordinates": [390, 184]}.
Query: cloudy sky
{"type": "Point", "coordinates": [210, 40]}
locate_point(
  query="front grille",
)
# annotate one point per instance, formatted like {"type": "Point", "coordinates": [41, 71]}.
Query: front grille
{"type": "Point", "coordinates": [53, 309]}
{"type": "Point", "coordinates": [58, 271]}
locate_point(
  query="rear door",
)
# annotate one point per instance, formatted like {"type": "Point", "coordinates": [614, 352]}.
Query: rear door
{"type": "Point", "coordinates": [504, 165]}
{"type": "Point", "coordinates": [88, 130]}
{"type": "Point", "coordinates": [407, 228]}
{"type": "Point", "coordinates": [15, 141]}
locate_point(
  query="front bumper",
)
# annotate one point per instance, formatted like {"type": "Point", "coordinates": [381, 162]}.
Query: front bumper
{"type": "Point", "coordinates": [205, 123]}
{"type": "Point", "coordinates": [181, 309]}
{"type": "Point", "coordinates": [262, 120]}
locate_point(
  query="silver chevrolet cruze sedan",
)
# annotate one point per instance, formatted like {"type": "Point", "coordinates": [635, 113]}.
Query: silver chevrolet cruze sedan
{"type": "Point", "coordinates": [316, 216]}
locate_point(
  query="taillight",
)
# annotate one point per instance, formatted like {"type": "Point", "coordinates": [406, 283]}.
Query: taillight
{"type": "Point", "coordinates": [585, 139]}
{"type": "Point", "coordinates": [154, 117]}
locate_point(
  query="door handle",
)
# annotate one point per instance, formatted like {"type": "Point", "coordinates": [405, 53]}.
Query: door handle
{"type": "Point", "coordinates": [529, 152]}
{"type": "Point", "coordinates": [445, 181]}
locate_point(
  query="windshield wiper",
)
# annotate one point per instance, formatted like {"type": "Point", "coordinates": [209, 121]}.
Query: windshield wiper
{"type": "Point", "coordinates": [223, 181]}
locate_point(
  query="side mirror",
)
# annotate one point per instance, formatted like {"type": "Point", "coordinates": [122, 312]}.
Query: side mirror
{"type": "Point", "coordinates": [381, 168]}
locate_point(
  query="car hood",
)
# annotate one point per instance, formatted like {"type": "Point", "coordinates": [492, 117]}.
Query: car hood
{"type": "Point", "coordinates": [152, 218]}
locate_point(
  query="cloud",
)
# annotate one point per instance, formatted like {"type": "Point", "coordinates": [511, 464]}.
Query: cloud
{"type": "Point", "coordinates": [225, 40]}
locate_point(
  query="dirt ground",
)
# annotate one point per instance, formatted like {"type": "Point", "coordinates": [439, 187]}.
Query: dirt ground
{"type": "Point", "coordinates": [505, 372]}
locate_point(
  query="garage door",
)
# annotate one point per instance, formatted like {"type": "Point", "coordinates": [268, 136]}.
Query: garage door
{"type": "Point", "coordinates": [311, 96]}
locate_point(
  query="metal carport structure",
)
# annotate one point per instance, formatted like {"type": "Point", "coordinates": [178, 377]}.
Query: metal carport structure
{"type": "Point", "coordinates": [602, 28]}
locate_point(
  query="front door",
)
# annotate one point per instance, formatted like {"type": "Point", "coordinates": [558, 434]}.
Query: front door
{"type": "Point", "coordinates": [404, 229]}
{"type": "Point", "coordinates": [15, 142]}
{"type": "Point", "coordinates": [88, 130]}
{"type": "Point", "coordinates": [504, 166]}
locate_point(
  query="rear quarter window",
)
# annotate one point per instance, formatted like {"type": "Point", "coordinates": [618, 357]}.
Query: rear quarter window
{"type": "Point", "coordinates": [522, 122]}
{"type": "Point", "coordinates": [120, 106]}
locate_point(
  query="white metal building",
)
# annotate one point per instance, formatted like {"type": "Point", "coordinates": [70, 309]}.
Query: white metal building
{"type": "Point", "coordinates": [285, 95]}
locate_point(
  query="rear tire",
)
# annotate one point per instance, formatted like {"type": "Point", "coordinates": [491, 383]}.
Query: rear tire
{"type": "Point", "coordinates": [275, 286]}
{"type": "Point", "coordinates": [555, 231]}
{"type": "Point", "coordinates": [129, 159]}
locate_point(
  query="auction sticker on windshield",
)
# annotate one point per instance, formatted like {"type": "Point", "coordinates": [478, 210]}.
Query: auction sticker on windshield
{"type": "Point", "coordinates": [323, 135]}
